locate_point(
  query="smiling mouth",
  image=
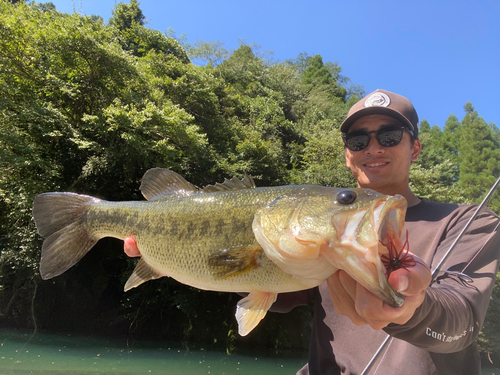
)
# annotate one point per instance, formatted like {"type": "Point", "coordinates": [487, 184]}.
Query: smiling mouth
{"type": "Point", "coordinates": [375, 164]}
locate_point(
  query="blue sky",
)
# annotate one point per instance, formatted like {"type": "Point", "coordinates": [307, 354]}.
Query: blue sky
{"type": "Point", "coordinates": [439, 54]}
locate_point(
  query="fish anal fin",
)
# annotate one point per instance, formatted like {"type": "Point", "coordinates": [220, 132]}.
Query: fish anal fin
{"type": "Point", "coordinates": [235, 261]}
{"type": "Point", "coordinates": [162, 183]}
{"type": "Point", "coordinates": [142, 273]}
{"type": "Point", "coordinates": [252, 309]}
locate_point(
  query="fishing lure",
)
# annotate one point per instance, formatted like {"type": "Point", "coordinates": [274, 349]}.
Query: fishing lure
{"type": "Point", "coordinates": [396, 259]}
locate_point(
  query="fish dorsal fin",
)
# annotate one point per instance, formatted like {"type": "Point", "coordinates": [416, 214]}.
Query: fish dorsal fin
{"type": "Point", "coordinates": [161, 183]}
{"type": "Point", "coordinates": [142, 273]}
{"type": "Point", "coordinates": [232, 184]}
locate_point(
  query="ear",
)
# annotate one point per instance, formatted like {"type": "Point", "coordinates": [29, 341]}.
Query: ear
{"type": "Point", "coordinates": [347, 160]}
{"type": "Point", "coordinates": [416, 150]}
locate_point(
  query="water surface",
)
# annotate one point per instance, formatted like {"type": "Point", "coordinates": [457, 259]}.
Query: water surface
{"type": "Point", "coordinates": [23, 353]}
{"type": "Point", "coordinates": [44, 354]}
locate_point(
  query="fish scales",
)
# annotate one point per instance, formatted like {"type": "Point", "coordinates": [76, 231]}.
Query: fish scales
{"type": "Point", "coordinates": [177, 235]}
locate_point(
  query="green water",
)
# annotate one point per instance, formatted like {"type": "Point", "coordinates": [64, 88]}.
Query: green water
{"type": "Point", "coordinates": [45, 354]}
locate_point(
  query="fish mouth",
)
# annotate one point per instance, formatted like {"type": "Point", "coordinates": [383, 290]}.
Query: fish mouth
{"type": "Point", "coordinates": [367, 236]}
{"type": "Point", "coordinates": [387, 217]}
{"type": "Point", "coordinates": [389, 225]}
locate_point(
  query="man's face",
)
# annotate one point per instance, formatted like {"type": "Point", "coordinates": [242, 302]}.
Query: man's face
{"type": "Point", "coordinates": [384, 169]}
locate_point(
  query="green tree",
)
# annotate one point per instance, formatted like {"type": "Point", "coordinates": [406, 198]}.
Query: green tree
{"type": "Point", "coordinates": [214, 53]}
{"type": "Point", "coordinates": [479, 156]}
{"type": "Point", "coordinates": [257, 104]}
{"type": "Point", "coordinates": [435, 175]}
{"type": "Point", "coordinates": [127, 16]}
{"type": "Point", "coordinates": [322, 160]}
{"type": "Point", "coordinates": [432, 150]}
{"type": "Point", "coordinates": [325, 92]}
{"type": "Point", "coordinates": [129, 22]}
{"type": "Point", "coordinates": [78, 113]}
{"type": "Point", "coordinates": [436, 183]}
{"type": "Point", "coordinates": [317, 73]}
{"type": "Point", "coordinates": [43, 6]}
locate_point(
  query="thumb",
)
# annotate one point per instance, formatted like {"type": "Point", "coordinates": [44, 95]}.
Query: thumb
{"type": "Point", "coordinates": [130, 247]}
{"type": "Point", "coordinates": [411, 280]}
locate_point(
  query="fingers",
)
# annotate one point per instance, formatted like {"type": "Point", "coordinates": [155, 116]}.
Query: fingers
{"type": "Point", "coordinates": [342, 289]}
{"type": "Point", "coordinates": [412, 283]}
{"type": "Point", "coordinates": [130, 247]}
{"type": "Point", "coordinates": [372, 309]}
{"type": "Point", "coordinates": [363, 307]}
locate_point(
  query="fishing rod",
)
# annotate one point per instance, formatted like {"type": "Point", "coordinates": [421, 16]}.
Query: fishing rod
{"type": "Point", "coordinates": [388, 340]}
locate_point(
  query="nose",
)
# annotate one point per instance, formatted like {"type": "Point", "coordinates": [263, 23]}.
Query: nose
{"type": "Point", "coordinates": [373, 146]}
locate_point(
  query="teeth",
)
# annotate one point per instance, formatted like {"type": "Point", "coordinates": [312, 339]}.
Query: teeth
{"type": "Point", "coordinates": [374, 165]}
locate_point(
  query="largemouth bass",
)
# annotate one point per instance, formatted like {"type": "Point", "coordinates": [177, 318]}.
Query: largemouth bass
{"type": "Point", "coordinates": [230, 237]}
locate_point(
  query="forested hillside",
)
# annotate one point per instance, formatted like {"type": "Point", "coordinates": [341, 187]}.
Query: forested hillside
{"type": "Point", "coordinates": [88, 107]}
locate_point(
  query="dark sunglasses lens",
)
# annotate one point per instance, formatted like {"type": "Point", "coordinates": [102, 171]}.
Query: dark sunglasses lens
{"type": "Point", "coordinates": [390, 137]}
{"type": "Point", "coordinates": [357, 141]}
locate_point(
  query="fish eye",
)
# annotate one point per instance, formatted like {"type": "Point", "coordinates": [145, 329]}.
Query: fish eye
{"type": "Point", "coordinates": [346, 197]}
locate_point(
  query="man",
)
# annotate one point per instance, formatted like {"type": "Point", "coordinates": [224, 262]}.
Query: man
{"type": "Point", "coordinates": [435, 329]}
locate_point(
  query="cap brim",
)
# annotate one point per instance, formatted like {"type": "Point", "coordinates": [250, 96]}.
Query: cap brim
{"type": "Point", "coordinates": [344, 128]}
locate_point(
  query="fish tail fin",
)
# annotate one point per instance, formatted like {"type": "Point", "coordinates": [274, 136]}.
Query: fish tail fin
{"type": "Point", "coordinates": [59, 218]}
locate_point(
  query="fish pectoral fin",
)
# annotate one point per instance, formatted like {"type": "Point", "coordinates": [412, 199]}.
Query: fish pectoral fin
{"type": "Point", "coordinates": [252, 309]}
{"type": "Point", "coordinates": [142, 273]}
{"type": "Point", "coordinates": [235, 261]}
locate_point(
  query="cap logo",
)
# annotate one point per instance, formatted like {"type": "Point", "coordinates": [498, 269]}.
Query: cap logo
{"type": "Point", "coordinates": [379, 99]}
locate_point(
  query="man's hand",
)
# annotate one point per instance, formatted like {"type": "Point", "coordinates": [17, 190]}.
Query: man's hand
{"type": "Point", "coordinates": [130, 247]}
{"type": "Point", "coordinates": [362, 307]}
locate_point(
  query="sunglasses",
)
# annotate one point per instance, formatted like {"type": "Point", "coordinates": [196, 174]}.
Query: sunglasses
{"type": "Point", "coordinates": [387, 136]}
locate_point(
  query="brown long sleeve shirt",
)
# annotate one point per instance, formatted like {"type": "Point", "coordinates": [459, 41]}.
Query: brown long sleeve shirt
{"type": "Point", "coordinates": [440, 337]}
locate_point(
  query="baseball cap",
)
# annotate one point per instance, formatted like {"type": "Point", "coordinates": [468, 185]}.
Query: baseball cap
{"type": "Point", "coordinates": [381, 102]}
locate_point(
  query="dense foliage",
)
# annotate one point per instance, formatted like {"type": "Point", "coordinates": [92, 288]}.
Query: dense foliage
{"type": "Point", "coordinates": [88, 107]}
